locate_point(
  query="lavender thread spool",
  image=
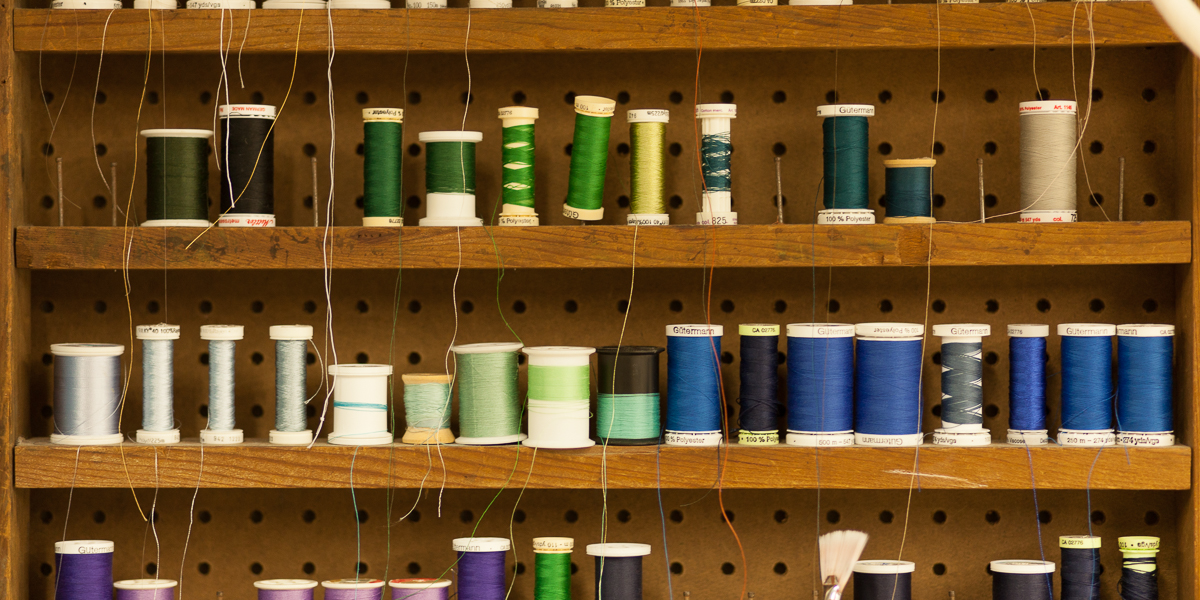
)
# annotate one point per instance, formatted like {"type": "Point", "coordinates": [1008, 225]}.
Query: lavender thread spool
{"type": "Point", "coordinates": [285, 589]}
{"type": "Point", "coordinates": [420, 589]}
{"type": "Point", "coordinates": [481, 567]}
{"type": "Point", "coordinates": [84, 570]}
{"type": "Point", "coordinates": [353, 589]}
{"type": "Point", "coordinates": [145, 589]}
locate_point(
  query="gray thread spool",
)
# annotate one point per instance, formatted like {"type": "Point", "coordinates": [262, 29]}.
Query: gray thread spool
{"type": "Point", "coordinates": [291, 384]}
{"type": "Point", "coordinates": [221, 351]}
{"type": "Point", "coordinates": [158, 384]}
{"type": "Point", "coordinates": [962, 385]}
{"type": "Point", "coordinates": [87, 394]}
{"type": "Point", "coordinates": [1049, 133]}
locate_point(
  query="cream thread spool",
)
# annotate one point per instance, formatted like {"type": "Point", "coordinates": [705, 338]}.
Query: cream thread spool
{"type": "Point", "coordinates": [651, 115]}
{"type": "Point", "coordinates": [360, 405]}
{"type": "Point", "coordinates": [563, 422]}
{"type": "Point", "coordinates": [1049, 134]}
{"type": "Point", "coordinates": [428, 435]}
{"type": "Point", "coordinates": [163, 336]}
{"type": "Point", "coordinates": [1027, 437]}
{"type": "Point", "coordinates": [715, 120]}
{"type": "Point", "coordinates": [1087, 438]}
{"type": "Point", "coordinates": [217, 388]}
{"type": "Point", "coordinates": [962, 434]}
{"type": "Point", "coordinates": [450, 209]}
{"type": "Point", "coordinates": [515, 215]}
{"type": "Point", "coordinates": [289, 333]}
{"type": "Point", "coordinates": [100, 425]}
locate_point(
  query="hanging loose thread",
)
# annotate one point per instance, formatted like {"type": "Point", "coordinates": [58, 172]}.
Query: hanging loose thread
{"type": "Point", "coordinates": [427, 408]}
{"type": "Point", "coordinates": [176, 176]}
{"type": "Point", "coordinates": [481, 567]}
{"type": "Point", "coordinates": [962, 385]}
{"type": "Point", "coordinates": [145, 589]}
{"type": "Point", "coordinates": [489, 408]}
{"type": "Point", "coordinates": [758, 417]}
{"type": "Point", "coordinates": [887, 384]}
{"type": "Point", "coordinates": [360, 394]}
{"type": "Point", "coordinates": [291, 384]}
{"type": "Point", "coordinates": [247, 151]}
{"type": "Point", "coordinates": [1139, 567]}
{"type": "Point", "coordinates": [383, 167]}
{"type": "Point", "coordinates": [1087, 387]}
{"type": "Point", "coordinates": [618, 570]}
{"type": "Point", "coordinates": [820, 380]}
{"type": "Point", "coordinates": [1145, 355]}
{"type": "Point", "coordinates": [1022, 580]}
{"type": "Point", "coordinates": [87, 393]}
{"type": "Point", "coordinates": [693, 393]}
{"type": "Point", "coordinates": [846, 136]}
{"type": "Point", "coordinates": [285, 589]}
{"type": "Point", "coordinates": [716, 153]}
{"type": "Point", "coordinates": [883, 579]}
{"type": "Point", "coordinates": [158, 384]}
{"type": "Point", "coordinates": [908, 190]}
{"type": "Point", "coordinates": [647, 141]}
{"type": "Point", "coordinates": [627, 411]}
{"type": "Point", "coordinates": [1027, 384]}
{"type": "Point", "coordinates": [559, 396]}
{"type": "Point", "coordinates": [353, 589]}
{"type": "Point", "coordinates": [517, 157]}
{"type": "Point", "coordinates": [589, 157]}
{"type": "Point", "coordinates": [222, 348]}
{"type": "Point", "coordinates": [450, 178]}
{"type": "Point", "coordinates": [1049, 135]}
{"type": "Point", "coordinates": [420, 589]}
{"type": "Point", "coordinates": [1080, 567]}
{"type": "Point", "coordinates": [552, 568]}
{"type": "Point", "coordinates": [84, 570]}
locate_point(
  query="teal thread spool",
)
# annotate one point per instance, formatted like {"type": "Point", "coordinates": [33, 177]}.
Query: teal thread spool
{"type": "Point", "coordinates": [517, 152]}
{"type": "Point", "coordinates": [846, 139]}
{"type": "Point", "coordinates": [647, 140]}
{"type": "Point", "coordinates": [908, 189]}
{"type": "Point", "coordinates": [628, 403]}
{"type": "Point", "coordinates": [589, 158]}
{"type": "Point", "coordinates": [450, 178]}
{"type": "Point", "coordinates": [176, 177]}
{"type": "Point", "coordinates": [383, 162]}
{"type": "Point", "coordinates": [427, 408]}
{"type": "Point", "coordinates": [489, 408]}
{"type": "Point", "coordinates": [716, 152]}
{"type": "Point", "coordinates": [559, 396]}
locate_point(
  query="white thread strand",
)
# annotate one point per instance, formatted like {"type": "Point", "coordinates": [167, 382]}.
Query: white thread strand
{"type": "Point", "coordinates": [1048, 145]}
{"type": "Point", "coordinates": [158, 385]}
{"type": "Point", "coordinates": [220, 385]}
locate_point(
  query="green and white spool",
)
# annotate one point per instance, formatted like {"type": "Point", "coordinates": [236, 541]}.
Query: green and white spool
{"type": "Point", "coordinates": [962, 434]}
{"type": "Point", "coordinates": [378, 124]}
{"type": "Point", "coordinates": [585, 187]}
{"type": "Point", "coordinates": [489, 409]}
{"type": "Point", "coordinates": [559, 396]}
{"type": "Point", "coordinates": [173, 173]}
{"type": "Point", "coordinates": [360, 415]}
{"type": "Point", "coordinates": [457, 208]}
{"type": "Point", "coordinates": [646, 172]}
{"type": "Point", "coordinates": [518, 175]}
{"type": "Point", "coordinates": [715, 120]}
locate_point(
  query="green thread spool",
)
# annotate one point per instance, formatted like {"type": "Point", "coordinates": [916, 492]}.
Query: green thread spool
{"type": "Point", "coordinates": [628, 401]}
{"type": "Point", "coordinates": [517, 157]}
{"type": "Point", "coordinates": [589, 158]}
{"type": "Point", "coordinates": [450, 178]}
{"type": "Point", "coordinates": [552, 568]}
{"type": "Point", "coordinates": [383, 162]}
{"type": "Point", "coordinates": [846, 137]}
{"type": "Point", "coordinates": [559, 396]}
{"type": "Point", "coordinates": [647, 139]}
{"type": "Point", "coordinates": [908, 191]}
{"type": "Point", "coordinates": [427, 408]}
{"type": "Point", "coordinates": [489, 408]}
{"type": "Point", "coordinates": [176, 177]}
{"type": "Point", "coordinates": [716, 150]}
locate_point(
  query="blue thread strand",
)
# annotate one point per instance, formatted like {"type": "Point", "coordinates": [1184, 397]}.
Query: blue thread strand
{"type": "Point", "coordinates": [1144, 374]}
{"type": "Point", "coordinates": [887, 387]}
{"type": "Point", "coordinates": [759, 394]}
{"type": "Point", "coordinates": [1027, 383]}
{"type": "Point", "coordinates": [820, 380]}
{"type": "Point", "coordinates": [1087, 387]}
{"type": "Point", "coordinates": [693, 394]}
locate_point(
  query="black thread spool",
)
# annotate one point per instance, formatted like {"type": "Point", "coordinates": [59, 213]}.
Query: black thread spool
{"type": "Point", "coordinates": [1022, 580]}
{"type": "Point", "coordinates": [883, 579]}
{"type": "Point", "coordinates": [247, 153]}
{"type": "Point", "coordinates": [621, 575]}
{"type": "Point", "coordinates": [1080, 567]}
{"type": "Point", "coordinates": [758, 418]}
{"type": "Point", "coordinates": [628, 386]}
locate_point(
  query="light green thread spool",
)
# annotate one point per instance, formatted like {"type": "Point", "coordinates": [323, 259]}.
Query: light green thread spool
{"type": "Point", "coordinates": [518, 159]}
{"type": "Point", "coordinates": [647, 140]}
{"type": "Point", "coordinates": [715, 156]}
{"type": "Point", "coordinates": [559, 396]}
{"type": "Point", "coordinates": [589, 158]}
{"type": "Point", "coordinates": [427, 408]}
{"type": "Point", "coordinates": [450, 178]}
{"type": "Point", "coordinates": [627, 416]}
{"type": "Point", "coordinates": [383, 161]}
{"type": "Point", "coordinates": [489, 409]}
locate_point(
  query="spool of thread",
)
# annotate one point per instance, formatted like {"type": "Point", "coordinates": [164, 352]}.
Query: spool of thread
{"type": "Point", "coordinates": [87, 394]}
{"type": "Point", "coordinates": [360, 395]}
{"type": "Point", "coordinates": [559, 394]}
{"type": "Point", "coordinates": [647, 142]}
{"type": "Point", "coordinates": [1139, 567]}
{"type": "Point", "coordinates": [1080, 567]}
{"type": "Point", "coordinates": [84, 570]}
{"type": "Point", "coordinates": [285, 589]}
{"type": "Point", "coordinates": [758, 418]}
{"type": "Point", "coordinates": [628, 400]}
{"type": "Point", "coordinates": [962, 385]}
{"type": "Point", "coordinates": [353, 589]}
{"type": "Point", "coordinates": [291, 385]}
{"type": "Point", "coordinates": [517, 156]}
{"type": "Point", "coordinates": [552, 568]}
{"type": "Point", "coordinates": [450, 178]}
{"type": "Point", "coordinates": [618, 570]}
{"type": "Point", "coordinates": [86, 4]}
{"type": "Point", "coordinates": [1022, 580]}
{"type": "Point", "coordinates": [176, 173]}
{"type": "Point", "coordinates": [481, 567]}
{"type": "Point", "coordinates": [631, 3]}
{"type": "Point", "coordinates": [558, 3]}
{"type": "Point", "coordinates": [145, 589]}
{"type": "Point", "coordinates": [589, 153]}
{"type": "Point", "coordinates": [1145, 357]}
{"type": "Point", "coordinates": [427, 408]}
{"type": "Point", "coordinates": [247, 151]}
{"type": "Point", "coordinates": [908, 185]}
{"type": "Point", "coordinates": [383, 162]}
{"type": "Point", "coordinates": [846, 138]}
{"type": "Point", "coordinates": [489, 408]}
{"type": "Point", "coordinates": [1027, 384]}
{"type": "Point", "coordinates": [222, 350]}
{"type": "Point", "coordinates": [887, 384]}
{"type": "Point", "coordinates": [222, 4]}
{"type": "Point", "coordinates": [820, 379]}
{"type": "Point", "coordinates": [420, 589]}
{"type": "Point", "coordinates": [883, 579]}
{"type": "Point", "coordinates": [158, 384]}
{"type": "Point", "coordinates": [693, 390]}
{"type": "Point", "coordinates": [360, 4]}
{"type": "Point", "coordinates": [1087, 387]}
{"type": "Point", "coordinates": [716, 153]}
{"type": "Point", "coordinates": [1049, 133]}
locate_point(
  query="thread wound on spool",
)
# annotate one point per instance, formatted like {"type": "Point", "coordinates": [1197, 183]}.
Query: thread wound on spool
{"type": "Point", "coordinates": [489, 410]}
{"type": "Point", "coordinates": [1022, 580]}
{"type": "Point", "coordinates": [177, 177]}
{"type": "Point", "coordinates": [693, 394]}
{"type": "Point", "coordinates": [517, 158]}
{"type": "Point", "coordinates": [450, 178]}
{"type": "Point", "coordinates": [589, 158]}
{"type": "Point", "coordinates": [559, 392]}
{"type": "Point", "coordinates": [887, 403]}
{"type": "Point", "coordinates": [552, 568]}
{"type": "Point", "coordinates": [84, 570]}
{"type": "Point", "coordinates": [1027, 377]}
{"type": "Point", "coordinates": [758, 397]}
{"type": "Point", "coordinates": [846, 136]}
{"type": "Point", "coordinates": [647, 140]}
{"type": "Point", "coordinates": [158, 382]}
{"type": "Point", "coordinates": [247, 151]}
{"type": "Point", "coordinates": [383, 162]}
{"type": "Point", "coordinates": [628, 399]}
{"type": "Point", "coordinates": [87, 393]}
{"type": "Point", "coordinates": [883, 580]}
{"type": "Point", "coordinates": [909, 190]}
{"type": "Point", "coordinates": [427, 408]}
{"type": "Point", "coordinates": [481, 567]}
{"type": "Point", "coordinates": [1087, 390]}
{"type": "Point", "coordinates": [1048, 146]}
{"type": "Point", "coordinates": [618, 570]}
{"type": "Point", "coordinates": [1080, 567]}
{"type": "Point", "coordinates": [1145, 354]}
{"type": "Point", "coordinates": [820, 363]}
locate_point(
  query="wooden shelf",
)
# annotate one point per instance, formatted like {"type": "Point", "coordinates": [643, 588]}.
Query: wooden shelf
{"type": "Point", "coordinates": [257, 464]}
{"type": "Point", "coordinates": [879, 26]}
{"type": "Point", "coordinates": [611, 246]}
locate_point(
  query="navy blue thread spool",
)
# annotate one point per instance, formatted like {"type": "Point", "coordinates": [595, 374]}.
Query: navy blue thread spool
{"type": "Point", "coordinates": [887, 384]}
{"type": "Point", "coordinates": [620, 578]}
{"type": "Point", "coordinates": [820, 384]}
{"type": "Point", "coordinates": [883, 579]}
{"type": "Point", "coordinates": [1022, 580]}
{"type": "Point", "coordinates": [1145, 357]}
{"type": "Point", "coordinates": [1139, 567]}
{"type": "Point", "coordinates": [1087, 384]}
{"type": "Point", "coordinates": [962, 385]}
{"type": "Point", "coordinates": [908, 187]}
{"type": "Point", "coordinates": [481, 567]}
{"type": "Point", "coordinates": [846, 135]}
{"type": "Point", "coordinates": [758, 397]}
{"type": "Point", "coordinates": [1027, 384]}
{"type": "Point", "coordinates": [1080, 567]}
{"type": "Point", "coordinates": [693, 389]}
{"type": "Point", "coordinates": [84, 570]}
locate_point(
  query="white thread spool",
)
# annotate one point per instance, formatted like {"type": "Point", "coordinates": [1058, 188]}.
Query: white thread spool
{"type": "Point", "coordinates": [444, 209]}
{"type": "Point", "coordinates": [562, 423]}
{"type": "Point", "coordinates": [360, 405]}
{"type": "Point", "coordinates": [1082, 437]}
{"type": "Point", "coordinates": [86, 4]}
{"type": "Point", "coordinates": [300, 333]}
{"type": "Point", "coordinates": [217, 389]}
{"type": "Point", "coordinates": [282, 585]}
{"type": "Point", "coordinates": [821, 439]}
{"type": "Point", "coordinates": [718, 205]}
{"type": "Point", "coordinates": [96, 401]}
{"type": "Point", "coordinates": [887, 332]}
{"type": "Point", "coordinates": [1028, 437]}
{"type": "Point", "coordinates": [515, 215]}
{"type": "Point", "coordinates": [414, 583]}
{"type": "Point", "coordinates": [651, 115]}
{"type": "Point", "coordinates": [222, 4]}
{"type": "Point", "coordinates": [147, 584]}
{"type": "Point", "coordinates": [962, 434]}
{"type": "Point", "coordinates": [163, 336]}
{"type": "Point", "coordinates": [1049, 133]}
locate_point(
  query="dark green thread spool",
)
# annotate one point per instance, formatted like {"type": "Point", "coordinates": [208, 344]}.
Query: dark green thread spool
{"type": "Point", "coordinates": [450, 178]}
{"type": "Point", "coordinates": [383, 161]}
{"type": "Point", "coordinates": [845, 148]}
{"type": "Point", "coordinates": [177, 177]}
{"type": "Point", "coordinates": [908, 190]}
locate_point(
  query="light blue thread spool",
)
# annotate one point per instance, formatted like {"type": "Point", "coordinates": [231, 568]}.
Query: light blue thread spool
{"type": "Point", "coordinates": [291, 385]}
{"type": "Point", "coordinates": [158, 384]}
{"type": "Point", "coordinates": [87, 394]}
{"type": "Point", "coordinates": [222, 350]}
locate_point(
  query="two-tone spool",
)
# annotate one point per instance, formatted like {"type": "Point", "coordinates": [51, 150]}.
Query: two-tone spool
{"type": "Point", "coordinates": [908, 185]}
{"type": "Point", "coordinates": [1087, 389]}
{"type": "Point", "coordinates": [820, 360]}
{"type": "Point", "coordinates": [285, 589]}
{"type": "Point", "coordinates": [618, 569]}
{"type": "Point", "coordinates": [291, 385]}
{"type": "Point", "coordinates": [758, 396]}
{"type": "Point", "coordinates": [552, 567]}
{"type": "Point", "coordinates": [1145, 354]}
{"type": "Point", "coordinates": [450, 178]}
{"type": "Point", "coordinates": [87, 394]}
{"type": "Point", "coordinates": [1022, 580]}
{"type": "Point", "coordinates": [962, 385]}
{"type": "Point", "coordinates": [647, 140]}
{"type": "Point", "coordinates": [158, 384]}
{"type": "Point", "coordinates": [83, 569]}
{"type": "Point", "coordinates": [247, 151]}
{"type": "Point", "coordinates": [427, 408]}
{"type": "Point", "coordinates": [1049, 136]}
{"type": "Point", "coordinates": [589, 156]}
{"type": "Point", "coordinates": [353, 589]}
{"type": "Point", "coordinates": [176, 176]}
{"type": "Point", "coordinates": [559, 396]}
{"type": "Point", "coordinates": [1027, 384]}
{"type": "Point", "coordinates": [887, 384]}
{"type": "Point", "coordinates": [627, 411]}
{"type": "Point", "coordinates": [716, 152]}
{"type": "Point", "coordinates": [222, 348]}
{"type": "Point", "coordinates": [846, 135]}
{"type": "Point", "coordinates": [694, 403]}
{"type": "Point", "coordinates": [883, 579]}
{"type": "Point", "coordinates": [1139, 567]}
{"type": "Point", "coordinates": [517, 155]}
{"type": "Point", "coordinates": [420, 588]}
{"type": "Point", "coordinates": [489, 408]}
{"type": "Point", "coordinates": [481, 567]}
{"type": "Point", "coordinates": [360, 394]}
{"type": "Point", "coordinates": [145, 589]}
{"type": "Point", "coordinates": [383, 162]}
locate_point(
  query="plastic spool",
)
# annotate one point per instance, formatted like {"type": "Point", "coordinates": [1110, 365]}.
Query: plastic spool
{"type": "Point", "coordinates": [1126, 404]}
{"type": "Point", "coordinates": [691, 438]}
{"type": "Point", "coordinates": [155, 4]}
{"type": "Point", "coordinates": [821, 439]}
{"type": "Point", "coordinates": [108, 420]}
{"type": "Point", "coordinates": [515, 215]}
{"type": "Point", "coordinates": [559, 423]}
{"type": "Point", "coordinates": [267, 588]}
{"type": "Point", "coordinates": [617, 581]}
{"type": "Point", "coordinates": [175, 133]}
{"type": "Point", "coordinates": [419, 588]}
{"type": "Point", "coordinates": [360, 395]}
{"type": "Point", "coordinates": [361, 4]}
{"type": "Point", "coordinates": [353, 589]}
{"type": "Point", "coordinates": [885, 332]}
{"type": "Point", "coordinates": [1138, 560]}
{"type": "Point", "coordinates": [841, 216]}
{"type": "Point", "coordinates": [145, 589]}
{"type": "Point", "coordinates": [627, 375]}
{"type": "Point", "coordinates": [86, 4]}
{"type": "Point", "coordinates": [1086, 438]}
{"type": "Point", "coordinates": [221, 4]}
{"type": "Point", "coordinates": [227, 333]}
{"type": "Point", "coordinates": [428, 435]}
{"type": "Point", "coordinates": [648, 116]}
{"type": "Point", "coordinates": [717, 205]}
{"type": "Point", "coordinates": [376, 158]}
{"type": "Point", "coordinates": [595, 107]}
{"type": "Point", "coordinates": [962, 434]}
{"type": "Point", "coordinates": [244, 158]}
{"type": "Point", "coordinates": [450, 210]}
{"type": "Point", "coordinates": [465, 436]}
{"type": "Point", "coordinates": [289, 333]}
{"type": "Point", "coordinates": [758, 330]}
{"type": "Point", "coordinates": [84, 567]}
{"type": "Point", "coordinates": [558, 4]}
{"type": "Point", "coordinates": [883, 579]}
{"type": "Point", "coordinates": [1028, 437]}
{"type": "Point", "coordinates": [1036, 575]}
{"type": "Point", "coordinates": [153, 333]}
{"type": "Point", "coordinates": [1063, 186]}
{"type": "Point", "coordinates": [491, 4]}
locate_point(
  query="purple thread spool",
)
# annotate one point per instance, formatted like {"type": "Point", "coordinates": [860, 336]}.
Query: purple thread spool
{"type": "Point", "coordinates": [84, 570]}
{"type": "Point", "coordinates": [285, 589]}
{"type": "Point", "coordinates": [353, 589]}
{"type": "Point", "coordinates": [481, 567]}
{"type": "Point", "coordinates": [420, 589]}
{"type": "Point", "coordinates": [145, 589]}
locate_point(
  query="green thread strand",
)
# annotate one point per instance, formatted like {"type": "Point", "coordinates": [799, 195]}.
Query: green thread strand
{"type": "Point", "coordinates": [448, 165]}
{"type": "Point", "coordinates": [646, 167]}
{"type": "Point", "coordinates": [845, 162]}
{"type": "Point", "coordinates": [907, 191]}
{"type": "Point", "coordinates": [627, 416]}
{"type": "Point", "coordinates": [383, 158]}
{"type": "Point", "coordinates": [488, 404]}
{"type": "Point", "coordinates": [559, 383]}
{"type": "Point", "coordinates": [552, 576]}
{"type": "Point", "coordinates": [427, 405]}
{"type": "Point", "coordinates": [716, 151]}
{"type": "Point", "coordinates": [517, 156]}
{"type": "Point", "coordinates": [176, 178]}
{"type": "Point", "coordinates": [589, 159]}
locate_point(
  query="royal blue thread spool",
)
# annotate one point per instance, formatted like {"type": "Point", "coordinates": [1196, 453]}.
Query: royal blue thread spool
{"type": "Point", "coordinates": [285, 589]}
{"type": "Point", "coordinates": [1145, 373]}
{"type": "Point", "coordinates": [820, 384]}
{"type": "Point", "coordinates": [145, 589]}
{"type": "Point", "coordinates": [1027, 384]}
{"type": "Point", "coordinates": [84, 570]}
{"type": "Point", "coordinates": [962, 385]}
{"type": "Point", "coordinates": [481, 567]}
{"type": "Point", "coordinates": [883, 579]}
{"type": "Point", "coordinates": [693, 388]}
{"type": "Point", "coordinates": [846, 135]}
{"type": "Point", "coordinates": [758, 396]}
{"type": "Point", "coordinates": [1087, 384]}
{"type": "Point", "coordinates": [887, 384]}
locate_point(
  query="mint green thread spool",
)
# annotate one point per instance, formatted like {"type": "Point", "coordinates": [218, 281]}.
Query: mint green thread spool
{"type": "Point", "coordinates": [383, 162]}
{"type": "Point", "coordinates": [427, 408]}
{"type": "Point", "coordinates": [559, 396]}
{"type": "Point", "coordinates": [716, 150]}
{"type": "Point", "coordinates": [517, 149]}
{"type": "Point", "coordinates": [628, 402]}
{"type": "Point", "coordinates": [647, 141]}
{"type": "Point", "coordinates": [489, 407]}
{"type": "Point", "coordinates": [589, 158]}
{"type": "Point", "coordinates": [450, 178]}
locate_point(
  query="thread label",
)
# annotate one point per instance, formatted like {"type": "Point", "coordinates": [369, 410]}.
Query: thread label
{"type": "Point", "coordinates": [870, 439]}
{"type": "Point", "coordinates": [518, 221]}
{"type": "Point", "coordinates": [756, 438]}
{"type": "Point", "coordinates": [1028, 438]}
{"type": "Point", "coordinates": [1146, 330]}
{"type": "Point", "coordinates": [846, 110]}
{"type": "Point", "coordinates": [759, 329]}
{"type": "Point", "coordinates": [221, 437]}
{"type": "Point", "coordinates": [383, 114]}
{"type": "Point", "coordinates": [558, 3]}
{"type": "Point", "coordinates": [1087, 438]}
{"type": "Point", "coordinates": [943, 437]}
{"type": "Point", "coordinates": [1137, 542]}
{"type": "Point", "coordinates": [624, 3]}
{"type": "Point", "coordinates": [1049, 217]}
{"type": "Point", "coordinates": [553, 544]}
{"type": "Point", "coordinates": [695, 330]}
{"type": "Point", "coordinates": [1078, 541]}
{"type": "Point", "coordinates": [692, 438]}
{"type": "Point", "coordinates": [654, 220]}
{"type": "Point", "coordinates": [158, 437]}
{"type": "Point", "coordinates": [1087, 330]}
{"type": "Point", "coordinates": [716, 218]}
{"type": "Point", "coordinates": [1137, 438]}
{"type": "Point", "coordinates": [817, 439]}
{"type": "Point", "coordinates": [849, 217]}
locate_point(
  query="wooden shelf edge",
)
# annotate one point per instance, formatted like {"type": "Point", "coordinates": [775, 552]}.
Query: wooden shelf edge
{"type": "Point", "coordinates": [257, 464]}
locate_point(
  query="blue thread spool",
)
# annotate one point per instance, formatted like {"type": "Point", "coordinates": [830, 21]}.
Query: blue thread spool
{"type": "Point", "coordinates": [820, 384]}
{"type": "Point", "coordinates": [1145, 354]}
{"type": "Point", "coordinates": [758, 398]}
{"type": "Point", "coordinates": [1080, 567]}
{"type": "Point", "coordinates": [908, 185]}
{"type": "Point", "coordinates": [1087, 385]}
{"type": "Point", "coordinates": [1027, 384]}
{"type": "Point", "coordinates": [887, 384]}
{"type": "Point", "coordinates": [883, 579]}
{"type": "Point", "coordinates": [693, 389]}
{"type": "Point", "coordinates": [846, 137]}
{"type": "Point", "coordinates": [1022, 580]}
{"type": "Point", "coordinates": [1139, 567]}
{"type": "Point", "coordinates": [716, 150]}
{"type": "Point", "coordinates": [962, 385]}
